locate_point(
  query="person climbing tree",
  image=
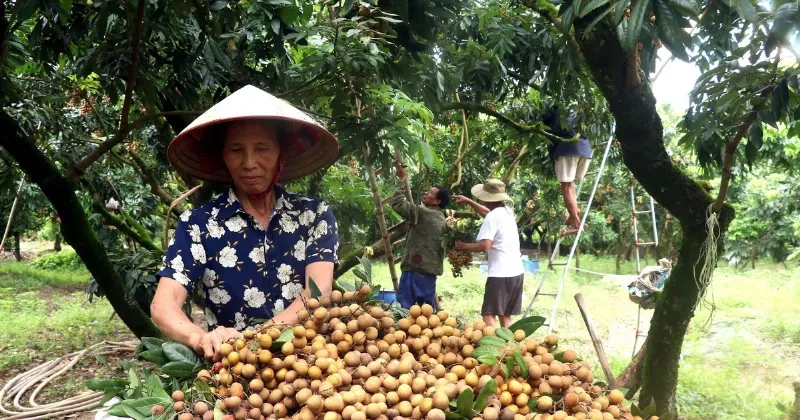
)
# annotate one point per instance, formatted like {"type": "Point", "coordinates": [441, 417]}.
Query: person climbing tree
{"type": "Point", "coordinates": [571, 160]}
{"type": "Point", "coordinates": [423, 257]}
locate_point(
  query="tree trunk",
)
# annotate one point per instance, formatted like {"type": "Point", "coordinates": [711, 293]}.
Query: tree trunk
{"type": "Point", "coordinates": [17, 248]}
{"type": "Point", "coordinates": [376, 195]}
{"type": "Point", "coordinates": [640, 133]}
{"type": "Point", "coordinates": [57, 243]}
{"type": "Point", "coordinates": [378, 250]}
{"type": "Point", "coordinates": [795, 413]}
{"type": "Point", "coordinates": [74, 224]}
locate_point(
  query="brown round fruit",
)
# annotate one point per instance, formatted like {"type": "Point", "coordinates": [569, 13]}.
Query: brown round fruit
{"type": "Point", "coordinates": [177, 396]}
{"type": "Point", "coordinates": [157, 410]}
{"type": "Point", "coordinates": [186, 416]}
{"type": "Point", "coordinates": [200, 407]}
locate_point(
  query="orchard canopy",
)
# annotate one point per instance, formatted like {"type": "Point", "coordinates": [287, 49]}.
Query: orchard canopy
{"type": "Point", "coordinates": [92, 91]}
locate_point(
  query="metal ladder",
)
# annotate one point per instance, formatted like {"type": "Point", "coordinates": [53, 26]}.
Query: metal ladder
{"type": "Point", "coordinates": [550, 322]}
{"type": "Point", "coordinates": [636, 245]}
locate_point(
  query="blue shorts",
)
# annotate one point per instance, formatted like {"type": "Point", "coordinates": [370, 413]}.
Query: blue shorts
{"type": "Point", "coordinates": [416, 289]}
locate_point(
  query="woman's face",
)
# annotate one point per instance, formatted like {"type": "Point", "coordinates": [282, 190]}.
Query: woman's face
{"type": "Point", "coordinates": [250, 153]}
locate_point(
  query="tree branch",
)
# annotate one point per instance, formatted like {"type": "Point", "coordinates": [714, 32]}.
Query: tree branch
{"type": "Point", "coordinates": [81, 167]}
{"type": "Point", "coordinates": [119, 223]}
{"type": "Point", "coordinates": [730, 148]}
{"type": "Point", "coordinates": [517, 76]}
{"type": "Point", "coordinates": [522, 128]}
{"type": "Point", "coordinates": [155, 187]}
{"type": "Point", "coordinates": [134, 57]}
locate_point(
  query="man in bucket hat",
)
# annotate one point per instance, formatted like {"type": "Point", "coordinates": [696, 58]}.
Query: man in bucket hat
{"type": "Point", "coordinates": [500, 239]}
{"type": "Point", "coordinates": [255, 247]}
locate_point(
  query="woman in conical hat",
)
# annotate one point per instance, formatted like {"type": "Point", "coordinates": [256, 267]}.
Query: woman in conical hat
{"type": "Point", "coordinates": [254, 248]}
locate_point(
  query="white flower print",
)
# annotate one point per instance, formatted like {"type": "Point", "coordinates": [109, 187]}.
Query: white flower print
{"type": "Point", "coordinates": [278, 306]}
{"type": "Point", "coordinates": [227, 257]}
{"type": "Point", "coordinates": [307, 218]}
{"type": "Point", "coordinates": [320, 230]}
{"type": "Point", "coordinates": [300, 250]}
{"type": "Point", "coordinates": [219, 296]}
{"type": "Point", "coordinates": [209, 278]}
{"type": "Point", "coordinates": [322, 208]}
{"type": "Point", "coordinates": [257, 255]}
{"type": "Point", "coordinates": [199, 253]}
{"type": "Point", "coordinates": [235, 224]}
{"type": "Point", "coordinates": [231, 197]}
{"type": "Point", "coordinates": [211, 319]}
{"type": "Point", "coordinates": [279, 204]}
{"type": "Point", "coordinates": [290, 291]}
{"type": "Point", "coordinates": [285, 273]}
{"type": "Point", "coordinates": [287, 224]}
{"type": "Point", "coordinates": [254, 297]}
{"type": "Point", "coordinates": [177, 263]}
{"type": "Point", "coordinates": [185, 216]}
{"type": "Point", "coordinates": [214, 229]}
{"type": "Point", "coordinates": [214, 212]}
{"type": "Point", "coordinates": [240, 324]}
{"type": "Point", "coordinates": [181, 278]}
{"type": "Point", "coordinates": [195, 234]}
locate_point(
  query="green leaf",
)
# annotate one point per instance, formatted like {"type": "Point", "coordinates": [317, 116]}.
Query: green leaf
{"type": "Point", "coordinates": [670, 31]}
{"type": "Point", "coordinates": [491, 340]}
{"type": "Point", "coordinates": [348, 5]}
{"type": "Point", "coordinates": [590, 7]}
{"type": "Point", "coordinates": [152, 343]}
{"type": "Point", "coordinates": [483, 397]}
{"type": "Point", "coordinates": [178, 369]}
{"type": "Point", "coordinates": [155, 356]}
{"type": "Point", "coordinates": [465, 402]}
{"type": "Point", "coordinates": [635, 410]}
{"type": "Point", "coordinates": [106, 385]}
{"type": "Point", "coordinates": [532, 403]}
{"type": "Point", "coordinates": [449, 415]}
{"type": "Point", "coordinates": [529, 325]}
{"type": "Point", "coordinates": [509, 363]}
{"type": "Point", "coordinates": [619, 11]}
{"type": "Point", "coordinates": [154, 388]}
{"type": "Point", "coordinates": [177, 352]}
{"type": "Point", "coordinates": [486, 350]}
{"type": "Point", "coordinates": [140, 407]}
{"type": "Point", "coordinates": [685, 7]}
{"type": "Point", "coordinates": [755, 135]}
{"type": "Point", "coordinates": [276, 26]}
{"type": "Point", "coordinates": [506, 371]}
{"type": "Point", "coordinates": [747, 11]}
{"type": "Point", "coordinates": [596, 20]}
{"type": "Point", "coordinates": [638, 15]}
{"type": "Point", "coordinates": [101, 359]}
{"type": "Point", "coordinates": [286, 335]}
{"type": "Point", "coordinates": [785, 19]}
{"type": "Point", "coordinates": [504, 333]}
{"type": "Point", "coordinates": [117, 410]}
{"type": "Point", "coordinates": [559, 356]}
{"type": "Point", "coordinates": [315, 292]}
{"type": "Point", "coordinates": [218, 5]}
{"type": "Point", "coordinates": [202, 390]}
{"type": "Point", "coordinates": [218, 413]}
{"type": "Point", "coordinates": [649, 411]}
{"type": "Point", "coordinates": [523, 367]}
{"type": "Point", "coordinates": [487, 359]}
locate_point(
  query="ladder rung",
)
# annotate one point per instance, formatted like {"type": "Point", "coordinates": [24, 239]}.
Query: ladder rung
{"type": "Point", "coordinates": [646, 243]}
{"type": "Point", "coordinates": [558, 263]}
{"type": "Point", "coordinates": [642, 211]}
{"type": "Point", "coordinates": [547, 294]}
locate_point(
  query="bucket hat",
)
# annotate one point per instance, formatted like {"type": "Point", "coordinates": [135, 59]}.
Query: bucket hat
{"type": "Point", "coordinates": [491, 191]}
{"type": "Point", "coordinates": [306, 144]}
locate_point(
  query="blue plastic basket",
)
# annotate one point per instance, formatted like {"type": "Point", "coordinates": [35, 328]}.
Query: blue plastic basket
{"type": "Point", "coordinates": [387, 296]}
{"type": "Point", "coordinates": [531, 266]}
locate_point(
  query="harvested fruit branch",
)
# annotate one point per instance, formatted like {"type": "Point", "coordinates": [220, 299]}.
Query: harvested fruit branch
{"type": "Point", "coordinates": [376, 195]}
{"type": "Point", "coordinates": [522, 128]}
{"type": "Point", "coordinates": [464, 141]}
{"type": "Point", "coordinates": [508, 176]}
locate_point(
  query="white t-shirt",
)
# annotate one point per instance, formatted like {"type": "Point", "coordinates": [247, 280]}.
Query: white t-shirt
{"type": "Point", "coordinates": [500, 227]}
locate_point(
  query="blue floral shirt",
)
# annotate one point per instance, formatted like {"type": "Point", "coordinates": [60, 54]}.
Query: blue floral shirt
{"type": "Point", "coordinates": [248, 273]}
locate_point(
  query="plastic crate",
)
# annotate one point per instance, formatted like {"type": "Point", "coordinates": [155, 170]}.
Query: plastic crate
{"type": "Point", "coordinates": [387, 296]}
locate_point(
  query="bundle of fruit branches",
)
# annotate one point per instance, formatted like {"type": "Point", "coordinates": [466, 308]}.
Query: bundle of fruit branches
{"type": "Point", "coordinates": [459, 230]}
{"type": "Point", "coordinates": [349, 360]}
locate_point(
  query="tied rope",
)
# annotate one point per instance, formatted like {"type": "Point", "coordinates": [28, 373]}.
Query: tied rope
{"type": "Point", "coordinates": [36, 379]}
{"type": "Point", "coordinates": [708, 250]}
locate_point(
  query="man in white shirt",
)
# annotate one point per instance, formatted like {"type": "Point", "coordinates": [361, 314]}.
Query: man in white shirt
{"type": "Point", "coordinates": [500, 239]}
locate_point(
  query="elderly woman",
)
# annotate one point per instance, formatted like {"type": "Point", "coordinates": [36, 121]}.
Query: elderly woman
{"type": "Point", "coordinates": [255, 248]}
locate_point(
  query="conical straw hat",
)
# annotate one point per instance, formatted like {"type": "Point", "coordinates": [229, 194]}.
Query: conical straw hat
{"type": "Point", "coordinates": [310, 146]}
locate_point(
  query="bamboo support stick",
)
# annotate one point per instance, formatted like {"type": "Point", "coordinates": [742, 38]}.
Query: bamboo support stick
{"type": "Point", "coordinates": [598, 345]}
{"type": "Point", "coordinates": [13, 211]}
{"type": "Point", "coordinates": [376, 195]}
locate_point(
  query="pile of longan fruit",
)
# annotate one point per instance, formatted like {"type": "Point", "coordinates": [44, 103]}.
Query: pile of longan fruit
{"type": "Point", "coordinates": [350, 361]}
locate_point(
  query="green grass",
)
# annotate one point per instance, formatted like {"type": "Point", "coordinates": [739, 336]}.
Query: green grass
{"type": "Point", "coordinates": [738, 367]}
{"type": "Point", "coordinates": [47, 314]}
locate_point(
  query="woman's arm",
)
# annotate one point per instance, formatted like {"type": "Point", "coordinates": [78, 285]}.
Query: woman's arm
{"type": "Point", "coordinates": [169, 317]}
{"type": "Point", "coordinates": [322, 274]}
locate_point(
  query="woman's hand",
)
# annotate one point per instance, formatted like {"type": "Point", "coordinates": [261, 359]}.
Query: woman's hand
{"type": "Point", "coordinates": [459, 245]}
{"type": "Point", "coordinates": [208, 344]}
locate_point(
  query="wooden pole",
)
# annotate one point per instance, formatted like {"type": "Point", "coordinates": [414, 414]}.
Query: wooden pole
{"type": "Point", "coordinates": [13, 211]}
{"type": "Point", "coordinates": [177, 201]}
{"type": "Point", "coordinates": [598, 345]}
{"type": "Point", "coordinates": [376, 195]}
